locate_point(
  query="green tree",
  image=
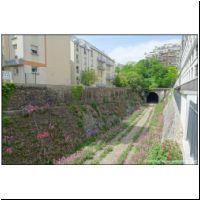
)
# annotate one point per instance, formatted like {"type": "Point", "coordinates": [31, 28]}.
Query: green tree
{"type": "Point", "coordinates": [146, 74]}
{"type": "Point", "coordinates": [88, 77]}
{"type": "Point", "coordinates": [170, 77]}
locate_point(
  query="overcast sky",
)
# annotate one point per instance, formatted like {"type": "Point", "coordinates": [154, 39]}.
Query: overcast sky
{"type": "Point", "coordinates": [125, 48]}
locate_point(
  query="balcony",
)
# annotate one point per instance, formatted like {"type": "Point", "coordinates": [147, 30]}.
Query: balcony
{"type": "Point", "coordinates": [101, 59]}
{"type": "Point", "coordinates": [109, 63]}
{"type": "Point", "coordinates": [13, 62]}
{"type": "Point", "coordinates": [109, 77]}
{"type": "Point", "coordinates": [100, 67]}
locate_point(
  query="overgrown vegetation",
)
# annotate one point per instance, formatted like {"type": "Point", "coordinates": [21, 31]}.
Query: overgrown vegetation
{"type": "Point", "coordinates": [76, 92]}
{"type": "Point", "coordinates": [145, 75]}
{"type": "Point", "coordinates": [7, 91]}
{"type": "Point", "coordinates": [103, 155]}
{"type": "Point", "coordinates": [88, 77]}
{"type": "Point", "coordinates": [150, 150]}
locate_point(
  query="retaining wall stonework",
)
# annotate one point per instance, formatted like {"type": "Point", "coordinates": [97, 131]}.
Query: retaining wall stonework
{"type": "Point", "coordinates": [69, 123]}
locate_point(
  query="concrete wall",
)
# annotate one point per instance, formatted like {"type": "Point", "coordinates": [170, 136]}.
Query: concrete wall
{"type": "Point", "coordinates": [183, 101]}
{"type": "Point", "coordinates": [58, 60]}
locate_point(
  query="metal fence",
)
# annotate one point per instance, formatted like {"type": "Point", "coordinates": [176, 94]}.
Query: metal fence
{"type": "Point", "coordinates": [31, 78]}
{"type": "Point", "coordinates": [192, 130]}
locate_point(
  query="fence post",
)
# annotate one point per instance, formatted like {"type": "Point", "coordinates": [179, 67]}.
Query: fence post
{"type": "Point", "coordinates": [25, 79]}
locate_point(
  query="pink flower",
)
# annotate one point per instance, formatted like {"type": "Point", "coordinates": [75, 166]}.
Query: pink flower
{"type": "Point", "coordinates": [29, 108]}
{"type": "Point", "coordinates": [9, 150]}
{"type": "Point", "coordinates": [42, 135]}
{"type": "Point", "coordinates": [51, 126]}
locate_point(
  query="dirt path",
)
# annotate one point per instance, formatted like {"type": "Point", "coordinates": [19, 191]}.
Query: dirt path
{"type": "Point", "coordinates": [112, 157]}
{"type": "Point", "coordinates": [110, 152]}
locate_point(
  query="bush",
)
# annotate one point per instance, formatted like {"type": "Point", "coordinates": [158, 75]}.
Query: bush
{"type": "Point", "coordinates": [6, 120]}
{"type": "Point", "coordinates": [76, 92]}
{"type": "Point", "coordinates": [166, 153]}
{"type": "Point", "coordinates": [7, 90]}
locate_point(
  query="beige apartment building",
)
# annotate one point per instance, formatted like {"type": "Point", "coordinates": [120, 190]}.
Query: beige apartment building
{"type": "Point", "coordinates": [85, 56]}
{"type": "Point", "coordinates": [37, 58]}
{"type": "Point", "coordinates": [168, 54]}
{"type": "Point", "coordinates": [53, 60]}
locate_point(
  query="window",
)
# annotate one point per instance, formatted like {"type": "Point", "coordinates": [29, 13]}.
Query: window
{"type": "Point", "coordinates": [196, 70]}
{"type": "Point", "coordinates": [84, 50]}
{"type": "Point", "coordinates": [92, 63]}
{"type": "Point", "coordinates": [189, 75]}
{"type": "Point", "coordinates": [77, 47]}
{"type": "Point", "coordinates": [16, 71]}
{"type": "Point", "coordinates": [192, 73]}
{"type": "Point", "coordinates": [91, 53]}
{"type": "Point", "coordinates": [77, 59]}
{"type": "Point", "coordinates": [85, 61]}
{"type": "Point", "coordinates": [15, 46]}
{"type": "Point", "coordinates": [196, 50]}
{"type": "Point", "coordinates": [34, 50]}
{"type": "Point", "coordinates": [34, 70]}
{"type": "Point", "coordinates": [77, 80]}
{"type": "Point", "coordinates": [77, 69]}
{"type": "Point", "coordinates": [16, 57]}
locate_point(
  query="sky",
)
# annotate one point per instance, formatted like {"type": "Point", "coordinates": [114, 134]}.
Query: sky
{"type": "Point", "coordinates": [127, 48]}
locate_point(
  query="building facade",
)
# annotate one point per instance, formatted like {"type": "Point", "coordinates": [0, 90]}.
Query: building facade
{"type": "Point", "coordinates": [168, 54]}
{"type": "Point", "coordinates": [53, 60]}
{"type": "Point", "coordinates": [86, 56]}
{"type": "Point", "coordinates": [186, 96]}
{"type": "Point", "coordinates": [37, 59]}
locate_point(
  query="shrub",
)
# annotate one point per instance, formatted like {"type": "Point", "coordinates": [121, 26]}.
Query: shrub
{"type": "Point", "coordinates": [6, 120]}
{"type": "Point", "coordinates": [76, 92]}
{"type": "Point", "coordinates": [7, 90]}
{"type": "Point", "coordinates": [94, 105]}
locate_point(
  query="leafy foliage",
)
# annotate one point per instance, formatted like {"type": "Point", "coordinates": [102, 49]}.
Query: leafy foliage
{"type": "Point", "coordinates": [7, 90]}
{"type": "Point", "coordinates": [164, 153]}
{"type": "Point", "coordinates": [145, 75]}
{"type": "Point", "coordinates": [88, 77]}
{"type": "Point", "coordinates": [76, 92]}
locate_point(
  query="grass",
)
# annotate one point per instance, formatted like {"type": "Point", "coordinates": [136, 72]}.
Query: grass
{"type": "Point", "coordinates": [124, 154]}
{"type": "Point", "coordinates": [103, 155]}
{"type": "Point", "coordinates": [156, 152]}
{"type": "Point", "coordinates": [86, 156]}
{"type": "Point", "coordinates": [129, 125]}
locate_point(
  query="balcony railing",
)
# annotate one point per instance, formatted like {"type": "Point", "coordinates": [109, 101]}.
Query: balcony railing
{"type": "Point", "coordinates": [100, 67]}
{"type": "Point", "coordinates": [109, 63]}
{"type": "Point", "coordinates": [109, 77]}
{"type": "Point", "coordinates": [101, 59]}
{"type": "Point", "coordinates": [13, 62]}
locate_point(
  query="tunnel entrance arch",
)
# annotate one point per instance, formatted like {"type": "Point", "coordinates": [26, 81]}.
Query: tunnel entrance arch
{"type": "Point", "coordinates": [152, 97]}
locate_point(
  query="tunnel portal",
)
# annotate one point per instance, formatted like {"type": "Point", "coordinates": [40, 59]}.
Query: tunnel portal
{"type": "Point", "coordinates": [152, 98]}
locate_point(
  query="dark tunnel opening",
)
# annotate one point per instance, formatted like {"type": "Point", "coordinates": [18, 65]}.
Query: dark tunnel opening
{"type": "Point", "coordinates": [152, 98]}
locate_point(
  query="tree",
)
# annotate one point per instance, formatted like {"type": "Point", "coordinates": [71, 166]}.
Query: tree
{"type": "Point", "coordinates": [146, 74]}
{"type": "Point", "coordinates": [88, 77]}
{"type": "Point", "coordinates": [170, 77]}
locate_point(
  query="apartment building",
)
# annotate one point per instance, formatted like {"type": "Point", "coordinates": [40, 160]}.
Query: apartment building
{"type": "Point", "coordinates": [186, 96]}
{"type": "Point", "coordinates": [53, 60]}
{"type": "Point", "coordinates": [40, 59]}
{"type": "Point", "coordinates": [168, 54]}
{"type": "Point", "coordinates": [86, 56]}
